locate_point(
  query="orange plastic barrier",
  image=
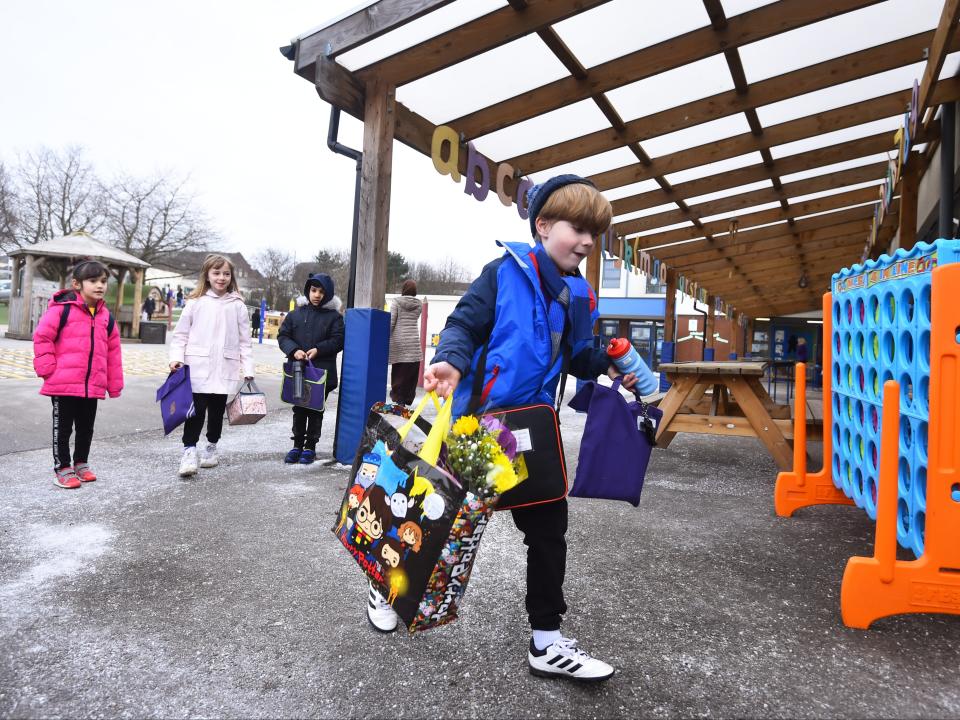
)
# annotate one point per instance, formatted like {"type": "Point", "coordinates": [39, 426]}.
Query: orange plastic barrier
{"type": "Point", "coordinates": [881, 586]}
{"type": "Point", "coordinates": [796, 488]}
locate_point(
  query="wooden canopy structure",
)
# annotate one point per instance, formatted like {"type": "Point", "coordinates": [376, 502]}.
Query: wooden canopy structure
{"type": "Point", "coordinates": [764, 244]}
{"type": "Point", "coordinates": [55, 258]}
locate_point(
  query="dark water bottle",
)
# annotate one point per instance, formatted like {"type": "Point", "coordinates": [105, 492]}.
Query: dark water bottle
{"type": "Point", "coordinates": [298, 380]}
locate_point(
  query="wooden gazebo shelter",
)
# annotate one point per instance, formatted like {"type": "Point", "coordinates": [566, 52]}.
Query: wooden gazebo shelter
{"type": "Point", "coordinates": [759, 259]}
{"type": "Point", "coordinates": [54, 258]}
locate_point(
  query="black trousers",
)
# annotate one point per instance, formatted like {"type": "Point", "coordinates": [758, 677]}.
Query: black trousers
{"type": "Point", "coordinates": [403, 382]}
{"type": "Point", "coordinates": [544, 527]}
{"type": "Point", "coordinates": [306, 428]}
{"type": "Point", "coordinates": [210, 406]}
{"type": "Point", "coordinates": [69, 413]}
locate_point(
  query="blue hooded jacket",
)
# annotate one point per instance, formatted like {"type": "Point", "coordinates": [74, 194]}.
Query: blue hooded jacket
{"type": "Point", "coordinates": [506, 307]}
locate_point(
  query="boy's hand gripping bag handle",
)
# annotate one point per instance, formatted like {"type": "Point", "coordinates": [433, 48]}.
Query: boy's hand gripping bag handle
{"type": "Point", "coordinates": [430, 451]}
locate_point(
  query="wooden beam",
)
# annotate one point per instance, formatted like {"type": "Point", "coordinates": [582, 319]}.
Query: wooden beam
{"type": "Point", "coordinates": [373, 231]}
{"type": "Point", "coordinates": [473, 38]}
{"type": "Point", "coordinates": [798, 82]}
{"type": "Point", "coordinates": [696, 45]}
{"type": "Point", "coordinates": [360, 27]}
{"type": "Point", "coordinates": [943, 40]}
{"type": "Point", "coordinates": [830, 181]}
{"type": "Point", "coordinates": [773, 260]}
{"type": "Point", "coordinates": [851, 115]}
{"type": "Point", "coordinates": [670, 308]}
{"type": "Point", "coordinates": [852, 150]}
{"type": "Point", "coordinates": [841, 219]}
{"type": "Point", "coordinates": [909, 186]}
{"type": "Point", "coordinates": [831, 202]}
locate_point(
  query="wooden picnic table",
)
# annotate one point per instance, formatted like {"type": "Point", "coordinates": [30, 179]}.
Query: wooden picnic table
{"type": "Point", "coordinates": [727, 398]}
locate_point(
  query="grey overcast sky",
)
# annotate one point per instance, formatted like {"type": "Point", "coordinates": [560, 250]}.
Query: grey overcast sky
{"type": "Point", "coordinates": [198, 88]}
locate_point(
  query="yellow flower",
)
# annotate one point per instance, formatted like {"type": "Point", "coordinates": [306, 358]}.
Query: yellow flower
{"type": "Point", "coordinates": [504, 477]}
{"type": "Point", "coordinates": [466, 425]}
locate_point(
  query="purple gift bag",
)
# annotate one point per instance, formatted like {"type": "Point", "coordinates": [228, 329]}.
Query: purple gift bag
{"type": "Point", "coordinates": [176, 399]}
{"type": "Point", "coordinates": [616, 443]}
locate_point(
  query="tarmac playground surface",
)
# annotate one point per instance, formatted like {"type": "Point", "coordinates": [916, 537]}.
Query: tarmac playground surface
{"type": "Point", "coordinates": [226, 595]}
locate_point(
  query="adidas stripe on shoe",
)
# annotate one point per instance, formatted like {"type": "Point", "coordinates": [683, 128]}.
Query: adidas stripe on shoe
{"type": "Point", "coordinates": [380, 613]}
{"type": "Point", "coordinates": [564, 659]}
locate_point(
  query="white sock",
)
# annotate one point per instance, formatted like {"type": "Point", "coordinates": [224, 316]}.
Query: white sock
{"type": "Point", "coordinates": [544, 638]}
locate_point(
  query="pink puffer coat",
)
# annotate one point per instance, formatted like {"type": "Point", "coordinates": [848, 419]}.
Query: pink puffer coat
{"type": "Point", "coordinates": [82, 361]}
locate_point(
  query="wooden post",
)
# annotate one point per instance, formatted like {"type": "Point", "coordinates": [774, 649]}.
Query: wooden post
{"type": "Point", "coordinates": [30, 265]}
{"type": "Point", "coordinates": [373, 229]}
{"type": "Point", "coordinates": [909, 184]}
{"type": "Point", "coordinates": [15, 279]}
{"type": "Point", "coordinates": [748, 338]}
{"type": "Point", "coordinates": [121, 275]}
{"type": "Point", "coordinates": [670, 308]}
{"type": "Point", "coordinates": [594, 270]}
{"type": "Point", "coordinates": [710, 323]}
{"type": "Point", "coordinates": [137, 301]}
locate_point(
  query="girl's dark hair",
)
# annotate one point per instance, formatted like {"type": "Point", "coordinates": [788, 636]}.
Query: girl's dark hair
{"type": "Point", "coordinates": [409, 287]}
{"type": "Point", "coordinates": [89, 270]}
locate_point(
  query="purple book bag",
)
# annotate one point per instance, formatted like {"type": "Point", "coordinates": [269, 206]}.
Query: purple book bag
{"type": "Point", "coordinates": [617, 440]}
{"type": "Point", "coordinates": [176, 399]}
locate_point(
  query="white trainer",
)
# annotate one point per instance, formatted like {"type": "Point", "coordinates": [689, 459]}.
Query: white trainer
{"type": "Point", "coordinates": [208, 456]}
{"type": "Point", "coordinates": [379, 612]}
{"type": "Point", "coordinates": [188, 463]}
{"type": "Point", "coordinates": [564, 659]}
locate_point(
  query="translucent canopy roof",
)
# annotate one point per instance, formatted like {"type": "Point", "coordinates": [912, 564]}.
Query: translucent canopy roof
{"type": "Point", "coordinates": [719, 124]}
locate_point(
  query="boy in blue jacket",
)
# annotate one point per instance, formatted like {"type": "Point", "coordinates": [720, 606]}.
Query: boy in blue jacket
{"type": "Point", "coordinates": [531, 308]}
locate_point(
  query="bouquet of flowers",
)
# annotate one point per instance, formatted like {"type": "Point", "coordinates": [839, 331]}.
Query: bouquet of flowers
{"type": "Point", "coordinates": [483, 456]}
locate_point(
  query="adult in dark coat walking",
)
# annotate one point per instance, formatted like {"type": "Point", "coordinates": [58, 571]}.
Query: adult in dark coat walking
{"type": "Point", "coordinates": [314, 332]}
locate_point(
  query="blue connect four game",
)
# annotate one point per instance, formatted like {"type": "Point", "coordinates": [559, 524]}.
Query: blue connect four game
{"type": "Point", "coordinates": [881, 331]}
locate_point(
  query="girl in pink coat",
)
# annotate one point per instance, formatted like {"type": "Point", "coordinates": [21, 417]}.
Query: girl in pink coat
{"type": "Point", "coordinates": [76, 350]}
{"type": "Point", "coordinates": [213, 338]}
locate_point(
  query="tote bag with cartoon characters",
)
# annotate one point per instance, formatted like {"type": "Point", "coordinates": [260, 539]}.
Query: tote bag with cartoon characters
{"type": "Point", "coordinates": [407, 521]}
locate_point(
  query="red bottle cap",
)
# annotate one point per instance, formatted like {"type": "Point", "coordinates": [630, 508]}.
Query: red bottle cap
{"type": "Point", "coordinates": [618, 347]}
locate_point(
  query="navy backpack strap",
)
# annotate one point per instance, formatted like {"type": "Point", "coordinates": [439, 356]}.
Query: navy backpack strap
{"type": "Point", "coordinates": [64, 316]}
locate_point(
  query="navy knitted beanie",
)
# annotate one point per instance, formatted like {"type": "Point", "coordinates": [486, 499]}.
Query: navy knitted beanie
{"type": "Point", "coordinates": [538, 195]}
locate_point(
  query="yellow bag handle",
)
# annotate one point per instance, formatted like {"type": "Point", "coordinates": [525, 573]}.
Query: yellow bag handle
{"type": "Point", "coordinates": [438, 433]}
{"type": "Point", "coordinates": [408, 425]}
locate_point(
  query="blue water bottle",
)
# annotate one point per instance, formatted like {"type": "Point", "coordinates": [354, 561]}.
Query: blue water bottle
{"type": "Point", "coordinates": [628, 360]}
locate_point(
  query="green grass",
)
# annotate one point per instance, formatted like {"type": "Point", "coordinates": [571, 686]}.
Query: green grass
{"type": "Point", "coordinates": [4, 313]}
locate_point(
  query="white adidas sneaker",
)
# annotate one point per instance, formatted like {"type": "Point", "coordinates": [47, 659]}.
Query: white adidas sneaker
{"type": "Point", "coordinates": [208, 456]}
{"type": "Point", "coordinates": [564, 659]}
{"type": "Point", "coordinates": [188, 463]}
{"type": "Point", "coordinates": [380, 613]}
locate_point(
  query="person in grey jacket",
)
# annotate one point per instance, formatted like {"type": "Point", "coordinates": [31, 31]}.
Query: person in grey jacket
{"type": "Point", "coordinates": [405, 350]}
{"type": "Point", "coordinates": [314, 332]}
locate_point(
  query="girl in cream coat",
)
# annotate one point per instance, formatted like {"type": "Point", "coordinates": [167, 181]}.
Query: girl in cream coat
{"type": "Point", "coordinates": [212, 337]}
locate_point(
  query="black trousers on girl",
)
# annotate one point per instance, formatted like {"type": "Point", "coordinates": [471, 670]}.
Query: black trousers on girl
{"type": "Point", "coordinates": [306, 428]}
{"type": "Point", "coordinates": [403, 382]}
{"type": "Point", "coordinates": [69, 413]}
{"type": "Point", "coordinates": [210, 406]}
{"type": "Point", "coordinates": [544, 527]}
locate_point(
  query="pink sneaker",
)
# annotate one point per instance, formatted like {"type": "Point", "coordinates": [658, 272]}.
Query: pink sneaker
{"type": "Point", "coordinates": [84, 472]}
{"type": "Point", "coordinates": [66, 478]}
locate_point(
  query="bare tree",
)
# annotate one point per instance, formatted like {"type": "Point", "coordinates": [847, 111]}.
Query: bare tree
{"type": "Point", "coordinates": [58, 194]}
{"type": "Point", "coordinates": [8, 216]}
{"type": "Point", "coordinates": [154, 218]}
{"type": "Point", "coordinates": [447, 277]}
{"type": "Point", "coordinates": [277, 268]}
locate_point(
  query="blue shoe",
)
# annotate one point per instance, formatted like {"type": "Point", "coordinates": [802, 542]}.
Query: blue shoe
{"type": "Point", "coordinates": [307, 457]}
{"type": "Point", "coordinates": [293, 456]}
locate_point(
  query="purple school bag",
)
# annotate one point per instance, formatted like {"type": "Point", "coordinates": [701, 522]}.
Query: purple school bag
{"type": "Point", "coordinates": [176, 399]}
{"type": "Point", "coordinates": [617, 440]}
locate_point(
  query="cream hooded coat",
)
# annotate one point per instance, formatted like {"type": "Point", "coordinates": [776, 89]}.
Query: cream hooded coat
{"type": "Point", "coordinates": [213, 338]}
